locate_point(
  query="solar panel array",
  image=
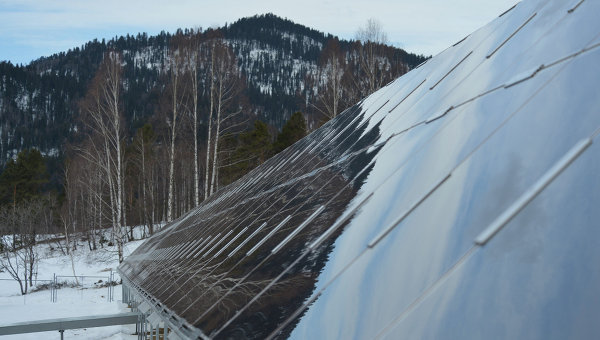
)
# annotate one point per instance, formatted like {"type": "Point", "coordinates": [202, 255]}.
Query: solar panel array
{"type": "Point", "coordinates": [461, 200]}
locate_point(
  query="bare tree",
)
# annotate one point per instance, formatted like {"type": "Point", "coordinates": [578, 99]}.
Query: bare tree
{"type": "Point", "coordinates": [209, 58]}
{"type": "Point", "coordinates": [68, 212]}
{"type": "Point", "coordinates": [102, 109]}
{"type": "Point", "coordinates": [372, 41]}
{"type": "Point", "coordinates": [84, 206]}
{"type": "Point", "coordinates": [142, 162]}
{"type": "Point", "coordinates": [19, 225]}
{"type": "Point", "coordinates": [177, 69]}
{"type": "Point", "coordinates": [227, 86]}
{"type": "Point", "coordinates": [193, 52]}
{"type": "Point", "coordinates": [330, 80]}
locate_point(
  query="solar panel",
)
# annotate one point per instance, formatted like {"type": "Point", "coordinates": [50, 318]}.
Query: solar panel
{"type": "Point", "coordinates": [536, 279]}
{"type": "Point", "coordinates": [458, 201]}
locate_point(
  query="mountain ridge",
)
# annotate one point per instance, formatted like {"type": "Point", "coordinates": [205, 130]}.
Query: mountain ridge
{"type": "Point", "coordinates": [39, 101]}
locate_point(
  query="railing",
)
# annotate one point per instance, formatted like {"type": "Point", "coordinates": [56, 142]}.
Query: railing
{"type": "Point", "coordinates": [63, 324]}
{"type": "Point", "coordinates": [80, 281]}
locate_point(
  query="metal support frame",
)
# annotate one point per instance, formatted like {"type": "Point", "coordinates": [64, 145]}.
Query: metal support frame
{"type": "Point", "coordinates": [151, 317]}
{"type": "Point", "coordinates": [69, 323]}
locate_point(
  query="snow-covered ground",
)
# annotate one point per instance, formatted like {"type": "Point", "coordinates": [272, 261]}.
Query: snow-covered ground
{"type": "Point", "coordinates": [90, 299]}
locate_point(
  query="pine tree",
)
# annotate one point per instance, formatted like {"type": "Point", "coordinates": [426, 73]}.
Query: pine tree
{"type": "Point", "coordinates": [252, 148]}
{"type": "Point", "coordinates": [293, 130]}
{"type": "Point", "coordinates": [23, 179]}
{"type": "Point", "coordinates": [258, 143]}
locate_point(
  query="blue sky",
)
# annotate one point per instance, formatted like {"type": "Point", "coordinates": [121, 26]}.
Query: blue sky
{"type": "Point", "coordinates": [30, 29]}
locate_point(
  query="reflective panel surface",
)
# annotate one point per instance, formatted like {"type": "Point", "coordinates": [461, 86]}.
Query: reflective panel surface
{"type": "Point", "coordinates": [367, 227]}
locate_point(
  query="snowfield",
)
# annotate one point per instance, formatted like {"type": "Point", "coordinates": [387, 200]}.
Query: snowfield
{"type": "Point", "coordinates": [91, 298]}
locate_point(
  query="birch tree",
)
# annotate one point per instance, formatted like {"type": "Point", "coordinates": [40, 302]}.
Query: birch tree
{"type": "Point", "coordinates": [176, 70]}
{"type": "Point", "coordinates": [142, 160]}
{"type": "Point", "coordinates": [330, 81]}
{"type": "Point", "coordinates": [209, 58]}
{"type": "Point", "coordinates": [226, 86]}
{"type": "Point", "coordinates": [104, 117]}
{"type": "Point", "coordinates": [68, 213]}
{"type": "Point", "coordinates": [371, 48]}
{"type": "Point", "coordinates": [193, 60]}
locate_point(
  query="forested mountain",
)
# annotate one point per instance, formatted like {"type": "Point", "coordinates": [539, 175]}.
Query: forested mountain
{"type": "Point", "coordinates": [140, 129]}
{"type": "Point", "coordinates": [279, 59]}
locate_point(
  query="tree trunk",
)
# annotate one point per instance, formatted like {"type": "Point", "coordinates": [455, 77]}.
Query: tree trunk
{"type": "Point", "coordinates": [174, 84]}
{"type": "Point", "coordinates": [144, 181]}
{"type": "Point", "coordinates": [208, 141]}
{"type": "Point", "coordinates": [195, 97]}
{"type": "Point", "coordinates": [216, 146]}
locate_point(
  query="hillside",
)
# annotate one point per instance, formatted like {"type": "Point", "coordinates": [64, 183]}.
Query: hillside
{"type": "Point", "coordinates": [39, 102]}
